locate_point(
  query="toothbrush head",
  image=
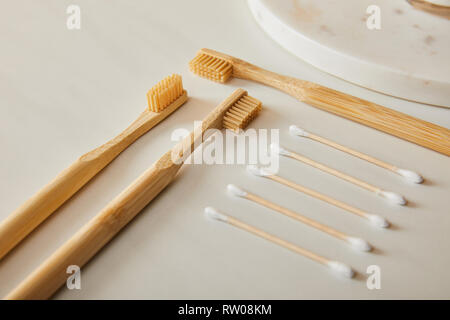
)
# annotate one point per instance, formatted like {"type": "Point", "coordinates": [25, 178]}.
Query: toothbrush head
{"type": "Point", "coordinates": [211, 67]}
{"type": "Point", "coordinates": [166, 92]}
{"type": "Point", "coordinates": [241, 113]}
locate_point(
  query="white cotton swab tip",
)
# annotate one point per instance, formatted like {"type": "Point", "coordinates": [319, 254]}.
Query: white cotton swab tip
{"type": "Point", "coordinates": [213, 214]}
{"type": "Point", "coordinates": [410, 175]}
{"type": "Point", "coordinates": [258, 171]}
{"type": "Point", "coordinates": [359, 244]}
{"type": "Point", "coordinates": [236, 191]}
{"type": "Point", "coordinates": [341, 269]}
{"type": "Point", "coordinates": [277, 149]}
{"type": "Point", "coordinates": [393, 197]}
{"type": "Point", "coordinates": [296, 131]}
{"type": "Point", "coordinates": [378, 221]}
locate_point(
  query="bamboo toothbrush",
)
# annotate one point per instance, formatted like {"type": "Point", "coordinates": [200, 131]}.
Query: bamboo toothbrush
{"type": "Point", "coordinates": [233, 113]}
{"type": "Point", "coordinates": [374, 219]}
{"type": "Point", "coordinates": [336, 266]}
{"type": "Point", "coordinates": [163, 99]}
{"type": "Point", "coordinates": [391, 196]}
{"type": "Point", "coordinates": [220, 67]}
{"type": "Point", "coordinates": [356, 243]}
{"type": "Point", "coordinates": [407, 174]}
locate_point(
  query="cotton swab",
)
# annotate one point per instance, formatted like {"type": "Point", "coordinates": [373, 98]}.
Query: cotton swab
{"type": "Point", "coordinates": [407, 174]}
{"type": "Point", "coordinates": [336, 266]}
{"type": "Point", "coordinates": [391, 196]}
{"type": "Point", "coordinates": [356, 243]}
{"type": "Point", "coordinates": [374, 219]}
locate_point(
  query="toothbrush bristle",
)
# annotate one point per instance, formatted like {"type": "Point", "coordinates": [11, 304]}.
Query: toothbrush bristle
{"type": "Point", "coordinates": [165, 92]}
{"type": "Point", "coordinates": [241, 113]}
{"type": "Point", "coordinates": [211, 68]}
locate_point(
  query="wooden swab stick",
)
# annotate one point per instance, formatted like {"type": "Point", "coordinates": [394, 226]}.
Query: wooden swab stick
{"type": "Point", "coordinates": [356, 243]}
{"type": "Point", "coordinates": [336, 266]}
{"type": "Point", "coordinates": [376, 220]}
{"type": "Point", "coordinates": [391, 196]}
{"type": "Point", "coordinates": [407, 174]}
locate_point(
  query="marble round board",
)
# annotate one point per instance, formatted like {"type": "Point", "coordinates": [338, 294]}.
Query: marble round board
{"type": "Point", "coordinates": [407, 57]}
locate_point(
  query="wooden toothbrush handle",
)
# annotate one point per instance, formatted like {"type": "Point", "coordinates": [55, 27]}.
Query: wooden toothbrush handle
{"type": "Point", "coordinates": [398, 124]}
{"type": "Point", "coordinates": [41, 205]}
{"type": "Point", "coordinates": [440, 10]}
{"type": "Point", "coordinates": [51, 275]}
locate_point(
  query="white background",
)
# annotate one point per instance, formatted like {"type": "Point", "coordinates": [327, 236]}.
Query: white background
{"type": "Point", "coordinates": [65, 92]}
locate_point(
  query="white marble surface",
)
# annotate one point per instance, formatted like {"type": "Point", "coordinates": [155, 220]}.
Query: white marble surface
{"type": "Point", "coordinates": [65, 92]}
{"type": "Point", "coordinates": [406, 56]}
